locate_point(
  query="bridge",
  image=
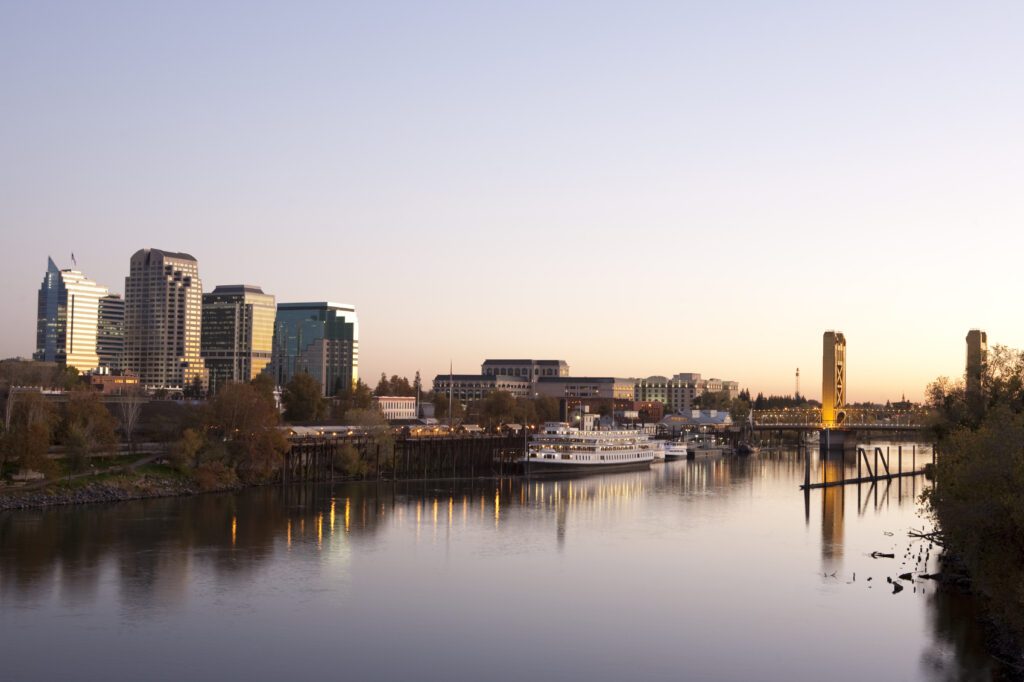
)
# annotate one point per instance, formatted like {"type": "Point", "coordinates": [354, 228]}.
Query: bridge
{"type": "Point", "coordinates": [854, 419]}
{"type": "Point", "coordinates": [835, 419]}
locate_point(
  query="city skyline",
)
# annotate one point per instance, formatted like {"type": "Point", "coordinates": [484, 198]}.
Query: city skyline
{"type": "Point", "coordinates": [515, 181]}
{"type": "Point", "coordinates": [810, 376]}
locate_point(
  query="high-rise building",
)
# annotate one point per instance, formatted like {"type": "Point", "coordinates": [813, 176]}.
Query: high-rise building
{"type": "Point", "coordinates": [321, 339]}
{"type": "Point", "coordinates": [163, 320]}
{"type": "Point", "coordinates": [238, 333]}
{"type": "Point", "coordinates": [977, 357]}
{"type": "Point", "coordinates": [110, 334]}
{"type": "Point", "coordinates": [68, 318]}
{"type": "Point", "coordinates": [833, 379]}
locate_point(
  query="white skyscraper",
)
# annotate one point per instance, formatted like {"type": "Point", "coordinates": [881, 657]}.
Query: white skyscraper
{"type": "Point", "coordinates": [68, 318]}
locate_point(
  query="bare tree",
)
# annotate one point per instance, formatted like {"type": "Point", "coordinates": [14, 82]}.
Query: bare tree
{"type": "Point", "coordinates": [130, 407]}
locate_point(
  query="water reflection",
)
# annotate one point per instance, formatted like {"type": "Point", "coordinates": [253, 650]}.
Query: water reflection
{"type": "Point", "coordinates": [674, 548]}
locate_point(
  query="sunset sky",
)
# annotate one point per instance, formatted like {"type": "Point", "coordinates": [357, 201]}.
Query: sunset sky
{"type": "Point", "coordinates": [637, 188]}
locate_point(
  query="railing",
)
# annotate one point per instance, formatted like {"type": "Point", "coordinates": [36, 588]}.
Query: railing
{"type": "Point", "coordinates": [850, 417]}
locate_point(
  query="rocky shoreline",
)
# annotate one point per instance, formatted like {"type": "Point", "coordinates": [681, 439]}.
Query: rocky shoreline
{"type": "Point", "coordinates": [114, 490]}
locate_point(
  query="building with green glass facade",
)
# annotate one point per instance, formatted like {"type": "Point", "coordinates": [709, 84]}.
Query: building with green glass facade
{"type": "Point", "coordinates": [238, 333]}
{"type": "Point", "coordinates": [319, 338]}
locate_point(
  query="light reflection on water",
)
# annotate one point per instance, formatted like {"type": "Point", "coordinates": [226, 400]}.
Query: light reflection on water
{"type": "Point", "coordinates": [709, 569]}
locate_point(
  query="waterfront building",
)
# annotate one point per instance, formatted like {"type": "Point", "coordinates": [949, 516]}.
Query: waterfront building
{"type": "Point", "coordinates": [238, 333]}
{"type": "Point", "coordinates": [527, 369]}
{"type": "Point", "coordinates": [319, 338]}
{"type": "Point", "coordinates": [68, 319]}
{"type": "Point", "coordinates": [585, 387]}
{"type": "Point", "coordinates": [395, 407]}
{"type": "Point", "coordinates": [110, 333]}
{"type": "Point", "coordinates": [977, 357]}
{"type": "Point", "coordinates": [833, 379]}
{"type": "Point", "coordinates": [163, 320]}
{"type": "Point", "coordinates": [469, 387]}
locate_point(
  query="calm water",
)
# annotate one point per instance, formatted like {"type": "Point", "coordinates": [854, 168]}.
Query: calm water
{"type": "Point", "coordinates": [707, 570]}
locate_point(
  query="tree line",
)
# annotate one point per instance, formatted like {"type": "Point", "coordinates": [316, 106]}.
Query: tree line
{"type": "Point", "coordinates": [976, 500]}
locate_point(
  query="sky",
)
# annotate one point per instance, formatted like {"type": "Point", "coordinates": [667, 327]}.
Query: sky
{"type": "Point", "coordinates": [637, 188]}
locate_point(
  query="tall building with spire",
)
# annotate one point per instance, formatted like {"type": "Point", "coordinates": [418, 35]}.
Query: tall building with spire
{"type": "Point", "coordinates": [68, 318]}
{"type": "Point", "coordinates": [163, 320]}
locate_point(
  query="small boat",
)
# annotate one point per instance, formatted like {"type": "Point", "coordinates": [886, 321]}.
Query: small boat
{"type": "Point", "coordinates": [744, 448]}
{"type": "Point", "coordinates": [676, 449]}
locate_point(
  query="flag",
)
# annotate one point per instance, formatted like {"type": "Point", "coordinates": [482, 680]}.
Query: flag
{"type": "Point", "coordinates": [73, 259]}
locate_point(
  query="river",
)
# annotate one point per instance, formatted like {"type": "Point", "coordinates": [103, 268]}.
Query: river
{"type": "Point", "coordinates": [717, 569]}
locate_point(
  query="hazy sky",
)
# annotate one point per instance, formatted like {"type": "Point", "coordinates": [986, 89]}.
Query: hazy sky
{"type": "Point", "coordinates": [638, 188]}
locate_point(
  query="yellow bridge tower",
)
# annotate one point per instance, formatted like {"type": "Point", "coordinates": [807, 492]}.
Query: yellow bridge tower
{"type": "Point", "coordinates": [833, 380]}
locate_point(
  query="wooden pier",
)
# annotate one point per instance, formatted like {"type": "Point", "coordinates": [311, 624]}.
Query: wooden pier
{"type": "Point", "coordinates": [321, 458]}
{"type": "Point", "coordinates": [878, 470]}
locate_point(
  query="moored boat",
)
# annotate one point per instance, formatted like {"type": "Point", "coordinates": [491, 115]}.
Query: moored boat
{"type": "Point", "coordinates": [676, 449]}
{"type": "Point", "coordinates": [560, 447]}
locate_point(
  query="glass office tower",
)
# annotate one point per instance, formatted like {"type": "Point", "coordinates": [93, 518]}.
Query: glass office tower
{"type": "Point", "coordinates": [238, 333]}
{"type": "Point", "coordinates": [321, 339]}
{"type": "Point", "coordinates": [68, 318]}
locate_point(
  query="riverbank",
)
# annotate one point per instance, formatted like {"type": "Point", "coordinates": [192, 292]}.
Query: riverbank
{"type": "Point", "coordinates": [150, 483]}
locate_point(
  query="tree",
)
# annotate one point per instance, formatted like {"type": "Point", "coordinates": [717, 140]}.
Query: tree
{"type": "Point", "coordinates": [87, 427]}
{"type": "Point", "coordinates": [979, 473]}
{"type": "Point", "coordinates": [194, 389]}
{"type": "Point", "coordinates": [264, 385]}
{"type": "Point", "coordinates": [441, 407]}
{"type": "Point", "coordinates": [547, 409]}
{"type": "Point", "coordinates": [383, 388]}
{"type": "Point", "coordinates": [28, 432]}
{"type": "Point", "coordinates": [247, 424]}
{"type": "Point", "coordinates": [497, 407]}
{"type": "Point", "coordinates": [303, 399]}
{"type": "Point", "coordinates": [350, 462]}
{"type": "Point", "coordinates": [130, 407]}
{"type": "Point", "coordinates": [382, 436]}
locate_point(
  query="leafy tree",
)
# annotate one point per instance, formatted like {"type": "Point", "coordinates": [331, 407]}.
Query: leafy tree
{"type": "Point", "coordinates": [441, 407]}
{"type": "Point", "coordinates": [497, 407]}
{"type": "Point", "coordinates": [194, 389]}
{"type": "Point", "coordinates": [29, 424]}
{"type": "Point", "coordinates": [186, 451]}
{"type": "Point", "coordinates": [264, 385]}
{"type": "Point", "coordinates": [546, 409]}
{"type": "Point", "coordinates": [349, 461]}
{"type": "Point", "coordinates": [739, 410]}
{"type": "Point", "coordinates": [247, 424]}
{"type": "Point", "coordinates": [87, 427]}
{"type": "Point", "coordinates": [979, 474]}
{"type": "Point", "coordinates": [303, 399]}
{"type": "Point", "coordinates": [383, 439]}
{"type": "Point", "coordinates": [383, 388]}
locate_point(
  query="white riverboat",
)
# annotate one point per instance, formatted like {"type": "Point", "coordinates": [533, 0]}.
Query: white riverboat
{"type": "Point", "coordinates": [560, 447]}
{"type": "Point", "coordinates": [676, 449]}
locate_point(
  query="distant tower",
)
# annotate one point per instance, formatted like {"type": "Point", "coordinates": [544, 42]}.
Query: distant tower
{"type": "Point", "coordinates": [833, 379]}
{"type": "Point", "coordinates": [977, 356]}
{"type": "Point", "coordinates": [797, 394]}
